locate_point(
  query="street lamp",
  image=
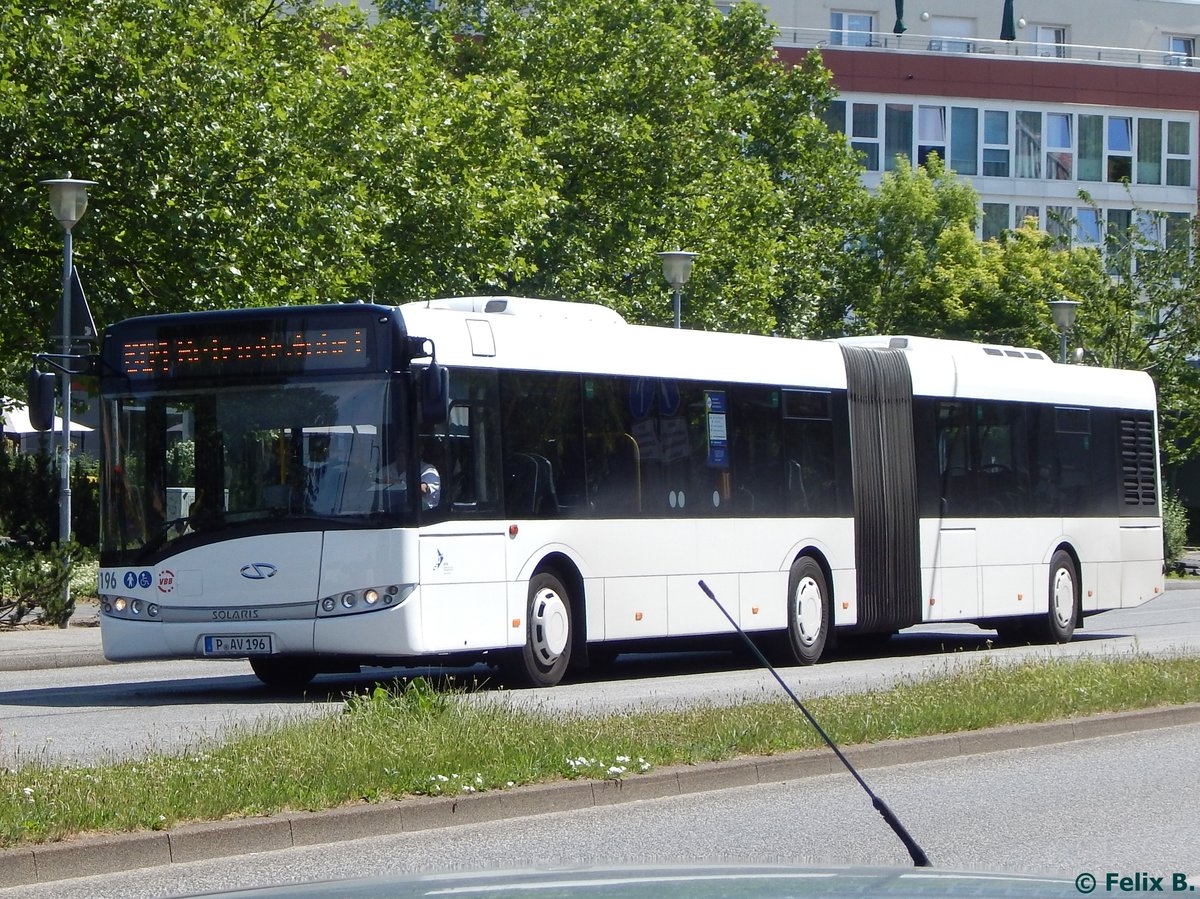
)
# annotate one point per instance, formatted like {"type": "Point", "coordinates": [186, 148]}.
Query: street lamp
{"type": "Point", "coordinates": [677, 268]}
{"type": "Point", "coordinates": [68, 202]}
{"type": "Point", "coordinates": [1063, 312]}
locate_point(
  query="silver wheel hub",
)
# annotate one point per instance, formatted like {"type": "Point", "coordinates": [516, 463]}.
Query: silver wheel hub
{"type": "Point", "coordinates": [808, 613]}
{"type": "Point", "coordinates": [549, 626]}
{"type": "Point", "coordinates": [1062, 597]}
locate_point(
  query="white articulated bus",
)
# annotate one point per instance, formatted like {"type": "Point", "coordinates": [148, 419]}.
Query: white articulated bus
{"type": "Point", "coordinates": [539, 483]}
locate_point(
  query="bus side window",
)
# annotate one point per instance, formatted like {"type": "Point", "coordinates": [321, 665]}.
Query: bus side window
{"type": "Point", "coordinates": [1073, 438]}
{"type": "Point", "coordinates": [810, 473]}
{"type": "Point", "coordinates": [613, 454]}
{"type": "Point", "coordinates": [756, 443]}
{"type": "Point", "coordinates": [543, 444]}
{"type": "Point", "coordinates": [1002, 468]}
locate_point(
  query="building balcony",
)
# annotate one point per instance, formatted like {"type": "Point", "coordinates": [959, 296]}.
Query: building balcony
{"type": "Point", "coordinates": [886, 42]}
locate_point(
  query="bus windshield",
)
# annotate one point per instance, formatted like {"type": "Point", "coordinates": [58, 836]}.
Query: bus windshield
{"type": "Point", "coordinates": [195, 464]}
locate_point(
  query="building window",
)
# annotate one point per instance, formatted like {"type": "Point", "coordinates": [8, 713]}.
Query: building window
{"type": "Point", "coordinates": [1091, 148]}
{"type": "Point", "coordinates": [1119, 223]}
{"type": "Point", "coordinates": [995, 143]}
{"type": "Point", "coordinates": [897, 133]}
{"type": "Point", "coordinates": [1179, 154]}
{"type": "Point", "coordinates": [1051, 40]}
{"type": "Point", "coordinates": [1177, 230]}
{"type": "Point", "coordinates": [864, 131]}
{"type": "Point", "coordinates": [964, 140]}
{"type": "Point", "coordinates": [1149, 151]}
{"type": "Point", "coordinates": [1029, 144]}
{"type": "Point", "coordinates": [835, 116]}
{"type": "Point", "coordinates": [1058, 221]}
{"type": "Point", "coordinates": [1180, 49]}
{"type": "Point", "coordinates": [1059, 158]}
{"type": "Point", "coordinates": [946, 28]}
{"type": "Point", "coordinates": [851, 29]}
{"type": "Point", "coordinates": [1120, 149]}
{"type": "Point", "coordinates": [995, 220]}
{"type": "Point", "coordinates": [1087, 225]}
{"type": "Point", "coordinates": [931, 132]}
{"type": "Point", "coordinates": [1028, 212]}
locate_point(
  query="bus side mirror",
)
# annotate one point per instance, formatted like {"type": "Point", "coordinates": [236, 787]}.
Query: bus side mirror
{"type": "Point", "coordinates": [41, 400]}
{"type": "Point", "coordinates": [435, 395]}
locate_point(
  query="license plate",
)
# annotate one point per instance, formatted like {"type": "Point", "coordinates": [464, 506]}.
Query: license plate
{"type": "Point", "coordinates": [241, 645]}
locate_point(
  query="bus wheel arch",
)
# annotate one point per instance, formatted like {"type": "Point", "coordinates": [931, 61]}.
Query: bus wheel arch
{"type": "Point", "coordinates": [554, 626]}
{"type": "Point", "coordinates": [809, 607]}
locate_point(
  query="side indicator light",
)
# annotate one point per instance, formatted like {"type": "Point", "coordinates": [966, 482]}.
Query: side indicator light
{"type": "Point", "coordinates": [512, 530]}
{"type": "Point", "coordinates": [1090, 594]}
{"type": "Point", "coordinates": [1020, 596]}
{"type": "Point", "coordinates": [637, 616]}
{"type": "Point", "coordinates": [845, 605]}
{"type": "Point", "coordinates": [932, 601]}
{"type": "Point", "coordinates": [516, 623]}
{"type": "Point", "coordinates": [754, 610]}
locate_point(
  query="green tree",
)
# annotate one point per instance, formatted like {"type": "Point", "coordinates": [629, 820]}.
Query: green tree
{"type": "Point", "coordinates": [247, 154]}
{"type": "Point", "coordinates": [663, 124]}
{"type": "Point", "coordinates": [1146, 315]}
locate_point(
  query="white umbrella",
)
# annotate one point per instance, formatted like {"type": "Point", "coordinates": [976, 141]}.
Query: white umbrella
{"type": "Point", "coordinates": [16, 422]}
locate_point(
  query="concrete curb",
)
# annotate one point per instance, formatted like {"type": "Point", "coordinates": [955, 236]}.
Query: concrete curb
{"type": "Point", "coordinates": [35, 660]}
{"type": "Point", "coordinates": [108, 854]}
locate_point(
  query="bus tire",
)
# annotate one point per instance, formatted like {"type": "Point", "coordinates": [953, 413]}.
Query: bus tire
{"type": "Point", "coordinates": [548, 632]}
{"type": "Point", "coordinates": [283, 672]}
{"type": "Point", "coordinates": [1059, 624]}
{"type": "Point", "coordinates": [809, 618]}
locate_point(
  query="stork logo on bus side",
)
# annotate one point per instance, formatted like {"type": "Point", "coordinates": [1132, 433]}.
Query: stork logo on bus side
{"type": "Point", "coordinates": [259, 571]}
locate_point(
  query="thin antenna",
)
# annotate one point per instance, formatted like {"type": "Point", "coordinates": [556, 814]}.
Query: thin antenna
{"type": "Point", "coordinates": [920, 859]}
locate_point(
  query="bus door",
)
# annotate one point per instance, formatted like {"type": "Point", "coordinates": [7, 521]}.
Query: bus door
{"type": "Point", "coordinates": [463, 542]}
{"type": "Point", "coordinates": [954, 584]}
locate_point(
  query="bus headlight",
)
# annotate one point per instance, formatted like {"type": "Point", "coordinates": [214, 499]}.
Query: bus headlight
{"type": "Point", "coordinates": [349, 600]}
{"type": "Point", "coordinates": [370, 597]}
{"type": "Point", "coordinates": [329, 604]}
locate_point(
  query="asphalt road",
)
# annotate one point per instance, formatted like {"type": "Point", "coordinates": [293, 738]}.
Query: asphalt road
{"type": "Point", "coordinates": [93, 713]}
{"type": "Point", "coordinates": [1121, 804]}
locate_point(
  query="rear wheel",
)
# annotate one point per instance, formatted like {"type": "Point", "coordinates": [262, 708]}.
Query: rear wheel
{"type": "Point", "coordinates": [808, 611]}
{"type": "Point", "coordinates": [1059, 624]}
{"type": "Point", "coordinates": [283, 672]}
{"type": "Point", "coordinates": [547, 650]}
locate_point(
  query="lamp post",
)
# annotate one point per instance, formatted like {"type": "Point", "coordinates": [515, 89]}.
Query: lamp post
{"type": "Point", "coordinates": [677, 268]}
{"type": "Point", "coordinates": [1063, 312]}
{"type": "Point", "coordinates": [68, 202]}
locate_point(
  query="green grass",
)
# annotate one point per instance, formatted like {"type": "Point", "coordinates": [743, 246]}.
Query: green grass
{"type": "Point", "coordinates": [413, 740]}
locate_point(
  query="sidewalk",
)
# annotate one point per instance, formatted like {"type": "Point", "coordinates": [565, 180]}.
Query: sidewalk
{"type": "Point", "coordinates": [29, 647]}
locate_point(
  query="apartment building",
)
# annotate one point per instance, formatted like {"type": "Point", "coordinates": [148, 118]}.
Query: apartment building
{"type": "Point", "coordinates": [1101, 96]}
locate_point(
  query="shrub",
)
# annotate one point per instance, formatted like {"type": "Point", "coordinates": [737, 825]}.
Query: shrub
{"type": "Point", "coordinates": [33, 579]}
{"type": "Point", "coordinates": [1175, 527]}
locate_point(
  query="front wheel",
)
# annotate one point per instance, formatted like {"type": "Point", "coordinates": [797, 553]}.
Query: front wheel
{"type": "Point", "coordinates": [283, 672]}
{"type": "Point", "coordinates": [547, 650]}
{"type": "Point", "coordinates": [809, 619]}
